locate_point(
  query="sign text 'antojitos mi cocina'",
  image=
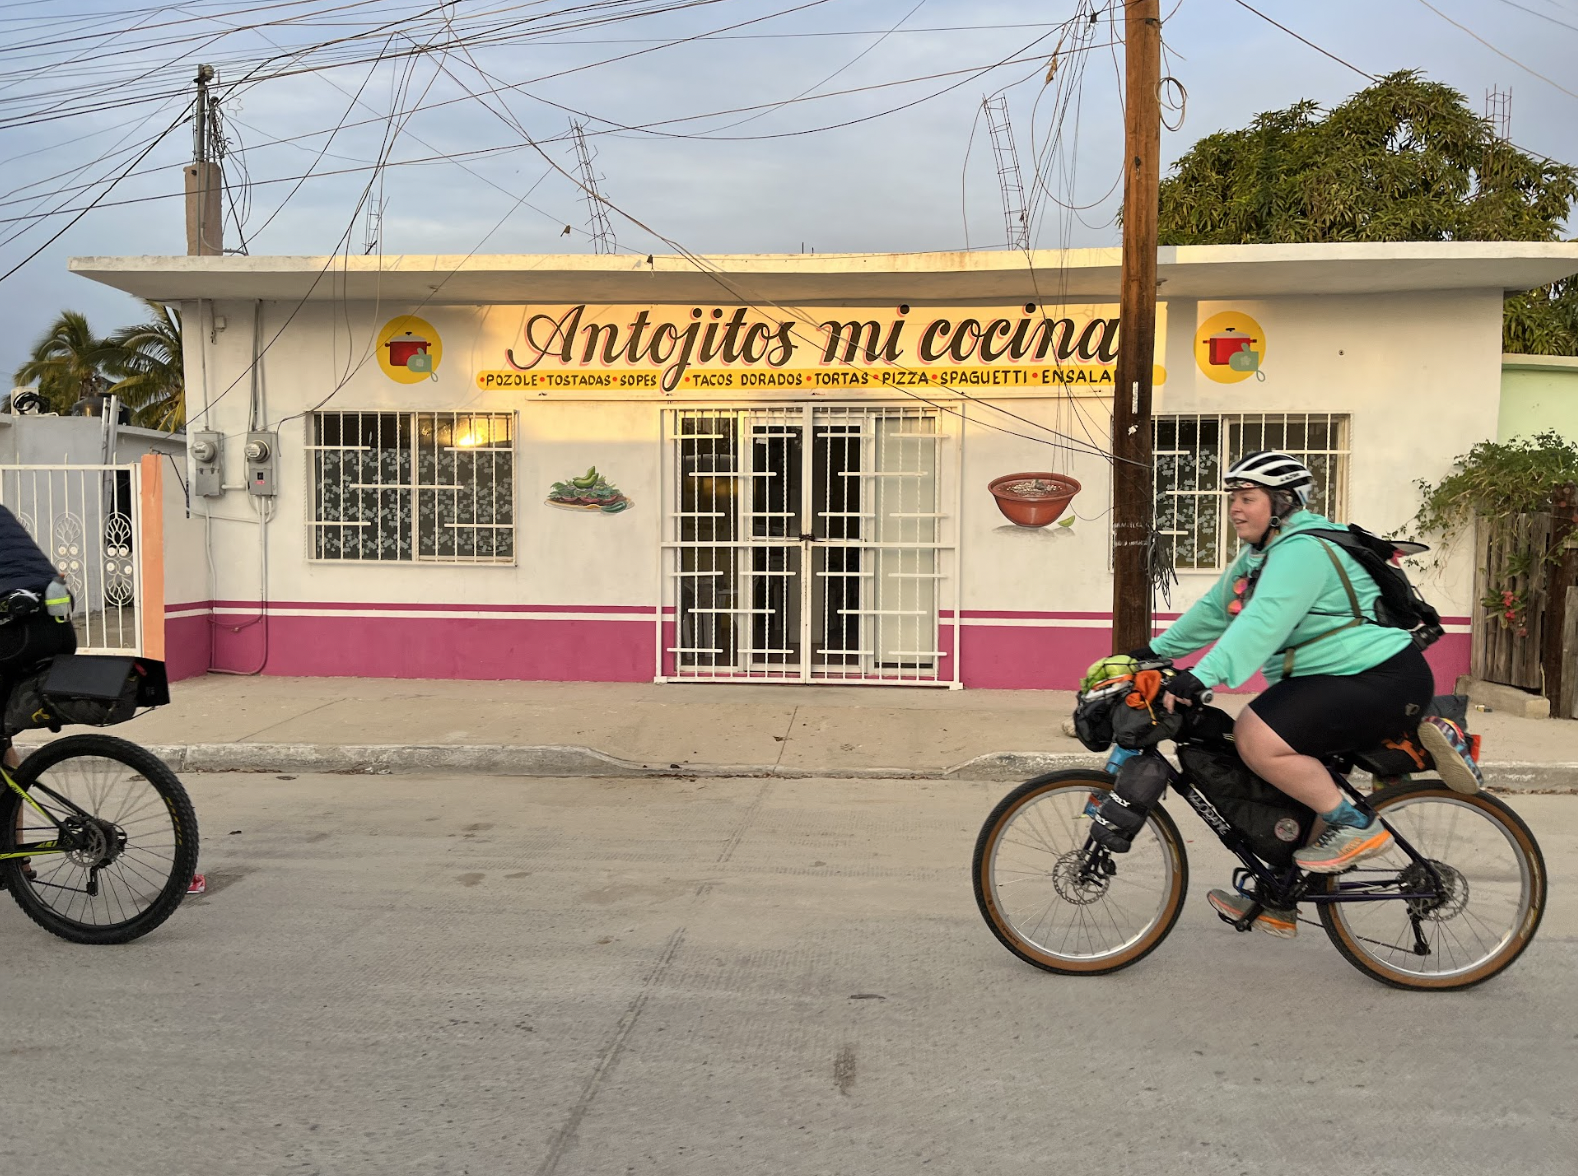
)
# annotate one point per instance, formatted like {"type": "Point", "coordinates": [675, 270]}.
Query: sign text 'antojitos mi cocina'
{"type": "Point", "coordinates": [732, 348]}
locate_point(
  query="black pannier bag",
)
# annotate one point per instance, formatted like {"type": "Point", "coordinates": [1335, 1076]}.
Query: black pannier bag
{"type": "Point", "coordinates": [1136, 728]}
{"type": "Point", "coordinates": [1093, 721]}
{"type": "Point", "coordinates": [1140, 784]}
{"type": "Point", "coordinates": [1209, 726]}
{"type": "Point", "coordinates": [1273, 823]}
{"type": "Point", "coordinates": [91, 690]}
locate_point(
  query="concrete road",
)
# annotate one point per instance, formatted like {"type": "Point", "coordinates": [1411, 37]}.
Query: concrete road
{"type": "Point", "coordinates": [566, 978]}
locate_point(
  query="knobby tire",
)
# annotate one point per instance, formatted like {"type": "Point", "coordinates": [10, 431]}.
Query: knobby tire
{"type": "Point", "coordinates": [59, 754]}
{"type": "Point", "coordinates": [1082, 781]}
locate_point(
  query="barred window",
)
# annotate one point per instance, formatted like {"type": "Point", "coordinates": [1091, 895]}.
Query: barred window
{"type": "Point", "coordinates": [1193, 451]}
{"type": "Point", "coordinates": [418, 486]}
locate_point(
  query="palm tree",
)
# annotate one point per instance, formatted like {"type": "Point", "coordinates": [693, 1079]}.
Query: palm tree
{"type": "Point", "coordinates": [68, 362]}
{"type": "Point", "coordinates": [151, 378]}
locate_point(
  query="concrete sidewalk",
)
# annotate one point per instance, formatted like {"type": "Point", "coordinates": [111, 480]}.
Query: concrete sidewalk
{"type": "Point", "coordinates": [219, 723]}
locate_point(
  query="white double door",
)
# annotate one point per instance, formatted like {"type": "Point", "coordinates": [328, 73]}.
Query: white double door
{"type": "Point", "coordinates": [808, 543]}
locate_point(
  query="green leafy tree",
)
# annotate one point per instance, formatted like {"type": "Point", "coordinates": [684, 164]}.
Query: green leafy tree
{"type": "Point", "coordinates": [1402, 160]}
{"type": "Point", "coordinates": [68, 362]}
{"type": "Point", "coordinates": [150, 377]}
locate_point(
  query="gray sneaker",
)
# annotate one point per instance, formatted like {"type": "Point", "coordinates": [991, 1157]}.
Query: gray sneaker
{"type": "Point", "coordinates": [1281, 923]}
{"type": "Point", "coordinates": [1341, 846]}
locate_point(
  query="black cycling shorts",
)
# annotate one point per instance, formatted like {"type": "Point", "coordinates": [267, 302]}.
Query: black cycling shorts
{"type": "Point", "coordinates": [1328, 713]}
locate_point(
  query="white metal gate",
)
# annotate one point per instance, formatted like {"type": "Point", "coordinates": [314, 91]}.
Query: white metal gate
{"type": "Point", "coordinates": [88, 520]}
{"type": "Point", "coordinates": [809, 543]}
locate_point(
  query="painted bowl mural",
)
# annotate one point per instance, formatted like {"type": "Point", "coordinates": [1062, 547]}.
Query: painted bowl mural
{"type": "Point", "coordinates": [1033, 500]}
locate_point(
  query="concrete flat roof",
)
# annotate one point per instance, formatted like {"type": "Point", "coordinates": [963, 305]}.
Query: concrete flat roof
{"type": "Point", "coordinates": [1185, 271]}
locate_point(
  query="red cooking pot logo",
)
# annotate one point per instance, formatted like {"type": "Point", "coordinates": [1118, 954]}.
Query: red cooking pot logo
{"type": "Point", "coordinates": [403, 347]}
{"type": "Point", "coordinates": [1230, 347]}
{"type": "Point", "coordinates": [409, 350]}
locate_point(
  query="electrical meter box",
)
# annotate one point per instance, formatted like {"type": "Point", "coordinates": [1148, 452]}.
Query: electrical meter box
{"type": "Point", "coordinates": [208, 464]}
{"type": "Point", "coordinates": [261, 453]}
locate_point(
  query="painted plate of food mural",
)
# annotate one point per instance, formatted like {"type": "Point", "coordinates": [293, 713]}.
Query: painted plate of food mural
{"type": "Point", "coordinates": [590, 491]}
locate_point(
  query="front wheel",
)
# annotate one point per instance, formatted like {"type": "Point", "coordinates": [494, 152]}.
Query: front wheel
{"type": "Point", "coordinates": [113, 849]}
{"type": "Point", "coordinates": [1474, 923]}
{"type": "Point", "coordinates": [1041, 898]}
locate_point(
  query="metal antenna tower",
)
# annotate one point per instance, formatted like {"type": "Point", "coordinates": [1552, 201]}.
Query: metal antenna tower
{"type": "Point", "coordinates": [1498, 112]}
{"type": "Point", "coordinates": [1015, 216]}
{"type": "Point", "coordinates": [375, 226]}
{"type": "Point", "coordinates": [602, 232]}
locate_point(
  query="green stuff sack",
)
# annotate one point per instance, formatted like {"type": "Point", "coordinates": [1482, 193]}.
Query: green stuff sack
{"type": "Point", "coordinates": [1119, 665]}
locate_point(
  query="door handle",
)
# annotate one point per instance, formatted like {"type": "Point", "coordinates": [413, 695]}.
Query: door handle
{"type": "Point", "coordinates": [807, 538]}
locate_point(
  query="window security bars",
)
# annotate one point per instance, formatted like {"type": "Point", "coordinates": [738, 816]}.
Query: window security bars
{"type": "Point", "coordinates": [808, 543]}
{"type": "Point", "coordinates": [433, 487]}
{"type": "Point", "coordinates": [88, 521]}
{"type": "Point", "coordinates": [1193, 452]}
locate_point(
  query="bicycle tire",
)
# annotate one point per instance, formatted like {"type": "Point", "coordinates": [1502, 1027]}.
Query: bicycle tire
{"type": "Point", "coordinates": [57, 763]}
{"type": "Point", "coordinates": [1166, 847]}
{"type": "Point", "coordinates": [1365, 952]}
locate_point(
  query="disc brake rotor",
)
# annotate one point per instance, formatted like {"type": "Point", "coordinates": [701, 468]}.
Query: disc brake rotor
{"type": "Point", "coordinates": [94, 843]}
{"type": "Point", "coordinates": [1452, 898]}
{"type": "Point", "coordinates": [1075, 881]}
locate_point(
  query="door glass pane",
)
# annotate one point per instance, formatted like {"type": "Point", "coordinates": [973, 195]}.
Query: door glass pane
{"type": "Point", "coordinates": [906, 525]}
{"type": "Point", "coordinates": [708, 465]}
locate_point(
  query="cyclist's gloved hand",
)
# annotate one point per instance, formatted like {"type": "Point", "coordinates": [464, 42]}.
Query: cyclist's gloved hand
{"type": "Point", "coordinates": [1143, 653]}
{"type": "Point", "coordinates": [1185, 687]}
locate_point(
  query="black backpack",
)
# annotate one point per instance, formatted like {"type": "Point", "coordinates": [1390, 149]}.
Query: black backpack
{"type": "Point", "coordinates": [1400, 606]}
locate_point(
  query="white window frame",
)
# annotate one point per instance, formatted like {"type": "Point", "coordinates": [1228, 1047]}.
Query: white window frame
{"type": "Point", "coordinates": [455, 420]}
{"type": "Point", "coordinates": [1268, 430]}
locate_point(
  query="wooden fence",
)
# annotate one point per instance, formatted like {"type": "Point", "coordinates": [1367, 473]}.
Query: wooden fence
{"type": "Point", "coordinates": [1535, 558]}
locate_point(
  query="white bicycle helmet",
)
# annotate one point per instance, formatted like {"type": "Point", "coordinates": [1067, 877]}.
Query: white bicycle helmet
{"type": "Point", "coordinates": [1271, 470]}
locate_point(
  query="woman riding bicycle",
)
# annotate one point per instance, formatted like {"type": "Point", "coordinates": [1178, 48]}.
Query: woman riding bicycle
{"type": "Point", "coordinates": [1339, 682]}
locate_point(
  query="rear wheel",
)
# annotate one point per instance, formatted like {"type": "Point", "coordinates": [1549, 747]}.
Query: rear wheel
{"type": "Point", "coordinates": [125, 832]}
{"type": "Point", "coordinates": [1480, 917]}
{"type": "Point", "coordinates": [1041, 898]}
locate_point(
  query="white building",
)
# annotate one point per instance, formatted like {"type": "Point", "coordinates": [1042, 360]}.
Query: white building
{"type": "Point", "coordinates": [783, 461]}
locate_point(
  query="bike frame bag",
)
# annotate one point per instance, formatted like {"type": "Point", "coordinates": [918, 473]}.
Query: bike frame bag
{"type": "Point", "coordinates": [1272, 822]}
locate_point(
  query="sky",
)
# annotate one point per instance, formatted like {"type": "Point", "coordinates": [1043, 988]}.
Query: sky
{"type": "Point", "coordinates": [715, 126]}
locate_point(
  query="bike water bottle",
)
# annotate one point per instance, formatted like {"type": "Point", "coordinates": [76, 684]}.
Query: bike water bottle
{"type": "Point", "coordinates": [1119, 757]}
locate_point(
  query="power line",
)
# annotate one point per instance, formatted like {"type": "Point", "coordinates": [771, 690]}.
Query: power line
{"type": "Point", "coordinates": [1528, 69]}
{"type": "Point", "coordinates": [1307, 41]}
{"type": "Point", "coordinates": [179, 120]}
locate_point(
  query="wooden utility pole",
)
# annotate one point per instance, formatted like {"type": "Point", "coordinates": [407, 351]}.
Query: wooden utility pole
{"type": "Point", "coordinates": [204, 215]}
{"type": "Point", "coordinates": [1132, 474]}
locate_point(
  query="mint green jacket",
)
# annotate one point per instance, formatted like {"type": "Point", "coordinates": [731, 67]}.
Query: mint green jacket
{"type": "Point", "coordinates": [1298, 599]}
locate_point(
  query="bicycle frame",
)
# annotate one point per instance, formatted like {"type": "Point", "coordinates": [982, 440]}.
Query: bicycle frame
{"type": "Point", "coordinates": [39, 848]}
{"type": "Point", "coordinates": [1292, 886]}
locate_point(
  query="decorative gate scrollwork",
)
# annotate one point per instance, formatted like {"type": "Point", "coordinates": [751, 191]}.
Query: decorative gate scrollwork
{"type": "Point", "coordinates": [120, 585]}
{"type": "Point", "coordinates": [87, 520]}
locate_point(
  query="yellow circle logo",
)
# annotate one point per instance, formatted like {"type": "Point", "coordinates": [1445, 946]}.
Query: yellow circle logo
{"type": "Point", "coordinates": [1230, 347]}
{"type": "Point", "coordinates": [409, 350]}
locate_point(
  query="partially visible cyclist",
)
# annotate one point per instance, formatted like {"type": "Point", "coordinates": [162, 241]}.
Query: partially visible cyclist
{"type": "Point", "coordinates": [35, 614]}
{"type": "Point", "coordinates": [1338, 683]}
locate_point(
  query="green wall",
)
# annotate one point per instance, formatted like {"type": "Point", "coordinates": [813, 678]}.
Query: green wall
{"type": "Point", "coordinates": [1538, 392]}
